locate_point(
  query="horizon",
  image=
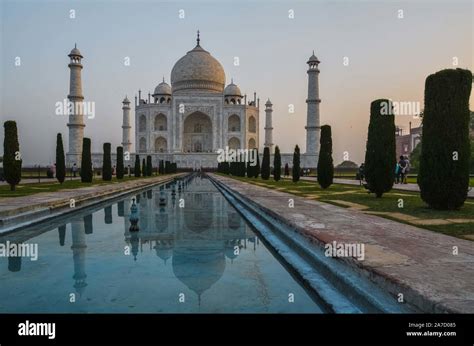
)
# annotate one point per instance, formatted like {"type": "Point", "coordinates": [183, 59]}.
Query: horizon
{"type": "Point", "coordinates": [271, 47]}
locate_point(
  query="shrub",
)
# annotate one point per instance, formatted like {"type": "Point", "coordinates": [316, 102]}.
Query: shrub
{"type": "Point", "coordinates": [86, 161]}
{"type": "Point", "coordinates": [11, 155]}
{"type": "Point", "coordinates": [107, 163]}
{"type": "Point", "coordinates": [266, 163]}
{"type": "Point", "coordinates": [296, 170]}
{"type": "Point", "coordinates": [277, 164]}
{"type": "Point", "coordinates": [445, 149]}
{"type": "Point", "coordinates": [325, 163]}
{"type": "Point", "coordinates": [380, 152]}
{"type": "Point", "coordinates": [60, 161]}
{"type": "Point", "coordinates": [120, 168]}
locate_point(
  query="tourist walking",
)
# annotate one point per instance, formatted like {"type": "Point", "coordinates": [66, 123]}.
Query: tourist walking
{"type": "Point", "coordinates": [403, 165]}
{"type": "Point", "coordinates": [397, 173]}
{"type": "Point", "coordinates": [407, 169]}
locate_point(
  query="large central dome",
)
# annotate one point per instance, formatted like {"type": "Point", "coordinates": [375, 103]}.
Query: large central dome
{"type": "Point", "coordinates": [198, 69]}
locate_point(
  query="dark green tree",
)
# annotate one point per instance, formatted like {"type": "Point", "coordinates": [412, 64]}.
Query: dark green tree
{"type": "Point", "coordinates": [143, 168]}
{"type": "Point", "coordinates": [257, 166]}
{"type": "Point", "coordinates": [86, 161]}
{"type": "Point", "coordinates": [325, 163]}
{"type": "Point", "coordinates": [380, 152]}
{"type": "Point", "coordinates": [107, 163]}
{"type": "Point", "coordinates": [287, 170]}
{"type": "Point", "coordinates": [149, 166]}
{"type": "Point", "coordinates": [445, 149]}
{"type": "Point", "coordinates": [296, 169]}
{"type": "Point", "coordinates": [60, 160]}
{"type": "Point", "coordinates": [277, 164]}
{"type": "Point", "coordinates": [11, 155]}
{"type": "Point", "coordinates": [136, 170]}
{"type": "Point", "coordinates": [120, 167]}
{"type": "Point", "coordinates": [266, 164]}
{"type": "Point", "coordinates": [161, 167]}
{"type": "Point", "coordinates": [225, 167]}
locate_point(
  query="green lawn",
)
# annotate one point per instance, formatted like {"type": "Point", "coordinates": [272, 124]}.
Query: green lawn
{"type": "Point", "coordinates": [29, 189]}
{"type": "Point", "coordinates": [412, 203]}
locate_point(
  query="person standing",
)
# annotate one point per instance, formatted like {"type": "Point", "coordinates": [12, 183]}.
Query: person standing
{"type": "Point", "coordinates": [74, 170]}
{"type": "Point", "coordinates": [407, 169]}
{"type": "Point", "coordinates": [403, 164]}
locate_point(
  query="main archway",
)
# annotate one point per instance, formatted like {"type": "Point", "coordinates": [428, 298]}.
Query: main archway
{"type": "Point", "coordinates": [197, 133]}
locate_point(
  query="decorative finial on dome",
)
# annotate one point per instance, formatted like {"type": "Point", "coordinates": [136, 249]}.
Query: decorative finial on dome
{"type": "Point", "coordinates": [232, 80]}
{"type": "Point", "coordinates": [198, 39]}
{"type": "Point", "coordinates": [75, 45]}
{"type": "Point", "coordinates": [163, 79]}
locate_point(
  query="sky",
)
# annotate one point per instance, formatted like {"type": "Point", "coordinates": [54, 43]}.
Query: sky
{"type": "Point", "coordinates": [366, 51]}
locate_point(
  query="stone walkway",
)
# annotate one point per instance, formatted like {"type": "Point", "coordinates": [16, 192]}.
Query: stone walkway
{"type": "Point", "coordinates": [404, 187]}
{"type": "Point", "coordinates": [17, 210]}
{"type": "Point", "coordinates": [420, 264]}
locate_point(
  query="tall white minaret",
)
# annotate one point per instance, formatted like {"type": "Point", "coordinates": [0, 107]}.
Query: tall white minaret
{"type": "Point", "coordinates": [126, 128]}
{"type": "Point", "coordinates": [268, 126]}
{"type": "Point", "coordinates": [312, 118]}
{"type": "Point", "coordinates": [76, 116]}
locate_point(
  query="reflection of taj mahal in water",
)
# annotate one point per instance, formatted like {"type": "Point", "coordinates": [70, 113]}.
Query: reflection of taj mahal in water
{"type": "Point", "coordinates": [188, 121]}
{"type": "Point", "coordinates": [198, 240]}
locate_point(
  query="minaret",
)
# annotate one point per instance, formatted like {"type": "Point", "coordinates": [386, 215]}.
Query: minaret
{"type": "Point", "coordinates": [268, 126]}
{"type": "Point", "coordinates": [79, 254]}
{"type": "Point", "coordinates": [312, 118]}
{"type": "Point", "coordinates": [76, 116]}
{"type": "Point", "coordinates": [126, 128]}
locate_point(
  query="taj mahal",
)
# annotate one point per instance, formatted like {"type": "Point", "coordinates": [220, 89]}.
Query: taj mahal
{"type": "Point", "coordinates": [188, 121]}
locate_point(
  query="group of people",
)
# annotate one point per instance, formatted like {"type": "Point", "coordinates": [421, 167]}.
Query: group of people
{"type": "Point", "coordinates": [402, 168]}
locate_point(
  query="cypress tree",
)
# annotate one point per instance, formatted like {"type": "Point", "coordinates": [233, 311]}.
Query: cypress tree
{"type": "Point", "coordinates": [257, 166]}
{"type": "Point", "coordinates": [225, 168]}
{"type": "Point", "coordinates": [167, 167]}
{"type": "Point", "coordinates": [325, 163]}
{"type": "Point", "coordinates": [120, 168]}
{"type": "Point", "coordinates": [136, 170]}
{"type": "Point", "coordinates": [380, 152]}
{"type": "Point", "coordinates": [445, 149]}
{"type": "Point", "coordinates": [60, 161]}
{"type": "Point", "coordinates": [161, 167]}
{"type": "Point", "coordinates": [143, 167]}
{"type": "Point", "coordinates": [107, 163]}
{"type": "Point", "coordinates": [250, 170]}
{"type": "Point", "coordinates": [266, 163]}
{"type": "Point", "coordinates": [149, 167]}
{"type": "Point", "coordinates": [296, 170]}
{"type": "Point", "coordinates": [287, 170]}
{"type": "Point", "coordinates": [86, 161]}
{"type": "Point", "coordinates": [277, 164]}
{"type": "Point", "coordinates": [11, 155]}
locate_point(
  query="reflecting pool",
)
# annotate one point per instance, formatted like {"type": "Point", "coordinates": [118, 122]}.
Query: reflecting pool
{"type": "Point", "coordinates": [192, 252]}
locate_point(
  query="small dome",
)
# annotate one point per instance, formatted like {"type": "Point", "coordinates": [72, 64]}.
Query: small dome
{"type": "Point", "coordinates": [75, 52]}
{"type": "Point", "coordinates": [125, 100]}
{"type": "Point", "coordinates": [162, 89]}
{"type": "Point", "coordinates": [268, 103]}
{"type": "Point", "coordinates": [313, 58]}
{"type": "Point", "coordinates": [198, 70]}
{"type": "Point", "coordinates": [232, 90]}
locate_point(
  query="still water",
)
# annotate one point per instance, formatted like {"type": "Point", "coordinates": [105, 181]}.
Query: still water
{"type": "Point", "coordinates": [193, 252]}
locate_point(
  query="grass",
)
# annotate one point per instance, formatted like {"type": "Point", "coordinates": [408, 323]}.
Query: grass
{"type": "Point", "coordinates": [412, 203]}
{"type": "Point", "coordinates": [33, 188]}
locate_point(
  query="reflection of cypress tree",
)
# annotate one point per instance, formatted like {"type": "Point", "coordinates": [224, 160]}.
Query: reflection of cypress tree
{"type": "Point", "coordinates": [62, 234]}
{"type": "Point", "coordinates": [14, 264]}
{"type": "Point", "coordinates": [138, 198]}
{"type": "Point", "coordinates": [121, 208]}
{"type": "Point", "coordinates": [108, 215]}
{"type": "Point", "coordinates": [149, 194]}
{"type": "Point", "coordinates": [88, 224]}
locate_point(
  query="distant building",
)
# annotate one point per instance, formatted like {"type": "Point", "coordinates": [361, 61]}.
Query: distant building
{"type": "Point", "coordinates": [406, 143]}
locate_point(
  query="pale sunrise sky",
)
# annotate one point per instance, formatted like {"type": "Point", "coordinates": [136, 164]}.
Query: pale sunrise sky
{"type": "Point", "coordinates": [389, 57]}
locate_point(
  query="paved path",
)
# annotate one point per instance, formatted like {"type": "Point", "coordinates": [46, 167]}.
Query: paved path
{"type": "Point", "coordinates": [16, 210]}
{"type": "Point", "coordinates": [398, 257]}
{"type": "Point", "coordinates": [35, 180]}
{"type": "Point", "coordinates": [405, 187]}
